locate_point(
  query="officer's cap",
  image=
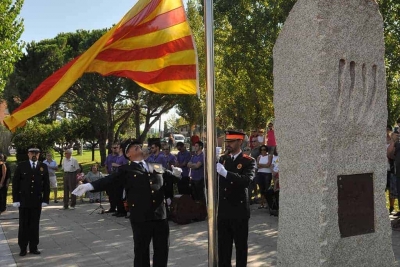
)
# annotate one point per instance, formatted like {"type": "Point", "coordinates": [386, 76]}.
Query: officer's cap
{"type": "Point", "coordinates": [125, 145]}
{"type": "Point", "coordinates": [34, 149]}
{"type": "Point", "coordinates": [233, 135]}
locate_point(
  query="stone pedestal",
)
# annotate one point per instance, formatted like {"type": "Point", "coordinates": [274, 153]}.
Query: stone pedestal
{"type": "Point", "coordinates": [330, 108]}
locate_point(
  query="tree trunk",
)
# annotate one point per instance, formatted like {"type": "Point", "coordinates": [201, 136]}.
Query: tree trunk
{"type": "Point", "coordinates": [102, 147]}
{"type": "Point", "coordinates": [93, 148]}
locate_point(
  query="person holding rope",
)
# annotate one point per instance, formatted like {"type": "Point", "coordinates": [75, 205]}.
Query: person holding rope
{"type": "Point", "coordinates": [144, 185]}
{"type": "Point", "coordinates": [236, 170]}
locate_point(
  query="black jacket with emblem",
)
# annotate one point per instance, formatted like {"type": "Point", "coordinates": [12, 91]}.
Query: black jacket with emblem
{"type": "Point", "coordinates": [144, 190]}
{"type": "Point", "coordinates": [31, 187]}
{"type": "Point", "coordinates": [233, 189]}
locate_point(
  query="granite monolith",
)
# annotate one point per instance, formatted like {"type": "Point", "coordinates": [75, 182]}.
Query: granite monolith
{"type": "Point", "coordinates": [331, 115]}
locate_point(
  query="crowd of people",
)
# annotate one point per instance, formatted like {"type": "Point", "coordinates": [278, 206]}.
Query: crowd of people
{"type": "Point", "coordinates": [249, 168]}
{"type": "Point", "coordinates": [393, 171]}
{"type": "Point", "coordinates": [236, 170]}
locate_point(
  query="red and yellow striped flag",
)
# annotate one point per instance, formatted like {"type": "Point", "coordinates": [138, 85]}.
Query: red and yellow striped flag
{"type": "Point", "coordinates": [152, 45]}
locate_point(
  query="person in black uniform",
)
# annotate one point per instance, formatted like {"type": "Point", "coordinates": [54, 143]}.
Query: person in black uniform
{"type": "Point", "coordinates": [4, 166]}
{"type": "Point", "coordinates": [31, 192]}
{"type": "Point", "coordinates": [144, 186]}
{"type": "Point", "coordinates": [236, 170]}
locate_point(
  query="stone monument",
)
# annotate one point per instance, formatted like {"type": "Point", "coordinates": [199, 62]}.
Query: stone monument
{"type": "Point", "coordinates": [330, 109]}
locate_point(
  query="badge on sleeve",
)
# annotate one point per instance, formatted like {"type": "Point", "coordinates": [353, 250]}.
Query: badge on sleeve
{"type": "Point", "coordinates": [158, 168]}
{"type": "Point", "coordinates": [239, 166]}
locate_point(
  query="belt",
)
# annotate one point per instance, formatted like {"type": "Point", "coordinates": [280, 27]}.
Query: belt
{"type": "Point", "coordinates": [68, 172]}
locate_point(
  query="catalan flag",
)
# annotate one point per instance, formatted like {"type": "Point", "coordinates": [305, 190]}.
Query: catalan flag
{"type": "Point", "coordinates": [152, 45]}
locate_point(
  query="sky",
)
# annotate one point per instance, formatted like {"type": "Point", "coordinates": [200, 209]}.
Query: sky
{"type": "Point", "coordinates": [44, 19]}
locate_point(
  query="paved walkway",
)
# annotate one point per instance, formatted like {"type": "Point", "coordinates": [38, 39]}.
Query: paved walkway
{"type": "Point", "coordinates": [77, 238]}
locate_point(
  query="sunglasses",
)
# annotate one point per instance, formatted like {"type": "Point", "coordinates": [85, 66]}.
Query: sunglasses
{"type": "Point", "coordinates": [115, 147]}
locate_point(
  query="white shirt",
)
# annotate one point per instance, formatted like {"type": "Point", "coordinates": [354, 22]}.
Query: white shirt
{"type": "Point", "coordinates": [70, 165]}
{"type": "Point", "coordinates": [264, 160]}
{"type": "Point", "coordinates": [235, 156]}
{"type": "Point", "coordinates": [144, 164]}
{"type": "Point", "coordinates": [36, 163]}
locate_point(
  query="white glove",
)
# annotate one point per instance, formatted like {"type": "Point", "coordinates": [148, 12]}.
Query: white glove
{"type": "Point", "coordinates": [176, 171]}
{"type": "Point", "coordinates": [16, 204]}
{"type": "Point", "coordinates": [44, 204]}
{"type": "Point", "coordinates": [221, 170]}
{"type": "Point", "coordinates": [169, 201]}
{"type": "Point", "coordinates": [82, 189]}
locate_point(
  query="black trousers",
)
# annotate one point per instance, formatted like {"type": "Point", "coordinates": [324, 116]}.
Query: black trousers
{"type": "Point", "coordinates": [184, 186]}
{"type": "Point", "coordinates": [229, 231]}
{"type": "Point", "coordinates": [3, 197]}
{"type": "Point", "coordinates": [272, 198]}
{"type": "Point", "coordinates": [28, 232]}
{"type": "Point", "coordinates": [111, 197]}
{"type": "Point", "coordinates": [118, 194]}
{"type": "Point", "coordinates": [197, 188]}
{"type": "Point", "coordinates": [143, 233]}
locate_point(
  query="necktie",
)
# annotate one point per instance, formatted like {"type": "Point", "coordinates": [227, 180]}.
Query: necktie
{"type": "Point", "coordinates": [233, 158]}
{"type": "Point", "coordinates": [33, 166]}
{"type": "Point", "coordinates": [142, 165]}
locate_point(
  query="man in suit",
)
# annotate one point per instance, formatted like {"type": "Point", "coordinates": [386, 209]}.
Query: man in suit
{"type": "Point", "coordinates": [31, 191]}
{"type": "Point", "coordinates": [236, 170]}
{"type": "Point", "coordinates": [144, 185]}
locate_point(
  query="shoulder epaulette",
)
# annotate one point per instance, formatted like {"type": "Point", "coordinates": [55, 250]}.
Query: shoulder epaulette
{"type": "Point", "coordinates": [247, 156]}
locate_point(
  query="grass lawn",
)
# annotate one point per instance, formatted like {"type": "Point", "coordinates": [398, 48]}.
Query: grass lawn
{"type": "Point", "coordinates": [85, 159]}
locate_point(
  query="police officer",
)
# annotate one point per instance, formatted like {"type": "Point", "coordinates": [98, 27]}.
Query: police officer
{"type": "Point", "coordinates": [144, 186]}
{"type": "Point", "coordinates": [31, 191]}
{"type": "Point", "coordinates": [236, 170]}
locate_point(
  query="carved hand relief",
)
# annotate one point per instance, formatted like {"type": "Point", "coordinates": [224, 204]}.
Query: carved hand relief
{"type": "Point", "coordinates": [357, 92]}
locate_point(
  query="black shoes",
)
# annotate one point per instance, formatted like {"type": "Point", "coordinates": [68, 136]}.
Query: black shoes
{"type": "Point", "coordinates": [120, 215]}
{"type": "Point", "coordinates": [109, 211]}
{"type": "Point", "coordinates": [31, 251]}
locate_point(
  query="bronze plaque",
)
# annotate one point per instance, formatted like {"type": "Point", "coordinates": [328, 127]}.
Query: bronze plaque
{"type": "Point", "coordinates": [356, 204]}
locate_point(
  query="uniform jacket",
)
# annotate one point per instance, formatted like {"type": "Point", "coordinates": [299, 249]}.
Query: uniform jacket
{"type": "Point", "coordinates": [31, 187]}
{"type": "Point", "coordinates": [144, 190]}
{"type": "Point", "coordinates": [233, 190]}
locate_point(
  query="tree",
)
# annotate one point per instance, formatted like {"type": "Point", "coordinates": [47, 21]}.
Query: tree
{"type": "Point", "coordinates": [245, 34]}
{"type": "Point", "coordinates": [33, 134]}
{"type": "Point", "coordinates": [11, 28]}
{"type": "Point", "coordinates": [390, 10]}
{"type": "Point", "coordinates": [192, 107]}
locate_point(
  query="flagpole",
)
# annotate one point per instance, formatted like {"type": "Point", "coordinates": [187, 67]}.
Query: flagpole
{"type": "Point", "coordinates": [211, 157]}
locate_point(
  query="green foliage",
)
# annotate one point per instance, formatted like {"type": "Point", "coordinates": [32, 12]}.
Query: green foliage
{"type": "Point", "coordinates": [11, 28]}
{"type": "Point", "coordinates": [390, 10]}
{"type": "Point", "coordinates": [245, 34]}
{"type": "Point", "coordinates": [35, 134]}
{"type": "Point", "coordinates": [192, 107]}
